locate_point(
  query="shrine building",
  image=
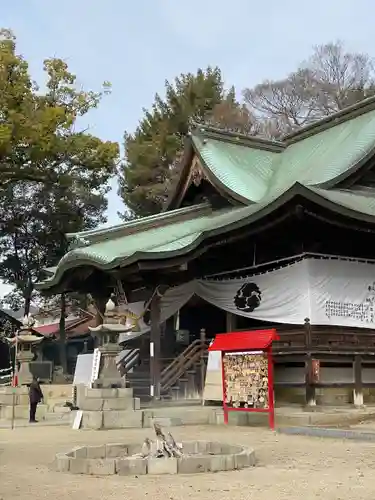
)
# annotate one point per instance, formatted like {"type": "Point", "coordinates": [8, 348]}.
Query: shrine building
{"type": "Point", "coordinates": [256, 234]}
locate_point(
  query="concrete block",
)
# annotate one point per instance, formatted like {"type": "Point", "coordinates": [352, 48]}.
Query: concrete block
{"type": "Point", "coordinates": [78, 466]}
{"type": "Point", "coordinates": [215, 448]}
{"type": "Point", "coordinates": [230, 463]}
{"type": "Point", "coordinates": [136, 403]}
{"type": "Point", "coordinates": [80, 452]}
{"type": "Point", "coordinates": [219, 418]}
{"type": "Point", "coordinates": [61, 409]}
{"type": "Point", "coordinates": [101, 393]}
{"type": "Point", "coordinates": [131, 466]}
{"type": "Point", "coordinates": [62, 462]}
{"type": "Point", "coordinates": [80, 394]}
{"type": "Point", "coordinates": [134, 449]}
{"type": "Point", "coordinates": [92, 420]}
{"type": "Point", "coordinates": [124, 392]}
{"type": "Point", "coordinates": [118, 404]}
{"type": "Point", "coordinates": [217, 463]}
{"type": "Point", "coordinates": [203, 447]}
{"type": "Point", "coordinates": [116, 450]}
{"type": "Point", "coordinates": [7, 399]}
{"type": "Point", "coordinates": [22, 412]}
{"type": "Point", "coordinates": [101, 467]}
{"type": "Point", "coordinates": [148, 415]}
{"type": "Point", "coordinates": [122, 419]}
{"type": "Point", "coordinates": [190, 447]}
{"type": "Point", "coordinates": [161, 466]}
{"type": "Point", "coordinates": [96, 451]}
{"type": "Point", "coordinates": [194, 464]}
{"type": "Point", "coordinates": [91, 404]}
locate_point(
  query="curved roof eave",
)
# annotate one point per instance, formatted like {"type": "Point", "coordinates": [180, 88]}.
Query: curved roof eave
{"type": "Point", "coordinates": [259, 211]}
{"type": "Point", "coordinates": [331, 183]}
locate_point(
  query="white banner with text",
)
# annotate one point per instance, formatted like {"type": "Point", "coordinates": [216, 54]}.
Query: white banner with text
{"type": "Point", "coordinates": [328, 291]}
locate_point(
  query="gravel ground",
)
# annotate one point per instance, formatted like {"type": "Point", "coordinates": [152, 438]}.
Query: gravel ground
{"type": "Point", "coordinates": [289, 467]}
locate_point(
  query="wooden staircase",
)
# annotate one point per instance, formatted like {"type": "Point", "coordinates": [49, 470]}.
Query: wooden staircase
{"type": "Point", "coordinates": [181, 378]}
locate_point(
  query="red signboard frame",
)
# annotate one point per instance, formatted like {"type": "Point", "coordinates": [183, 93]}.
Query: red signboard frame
{"type": "Point", "coordinates": [248, 341]}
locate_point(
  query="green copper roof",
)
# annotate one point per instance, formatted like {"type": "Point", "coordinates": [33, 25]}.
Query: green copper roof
{"type": "Point", "coordinates": [243, 170]}
{"type": "Point", "coordinates": [322, 158]}
{"type": "Point", "coordinates": [261, 175]}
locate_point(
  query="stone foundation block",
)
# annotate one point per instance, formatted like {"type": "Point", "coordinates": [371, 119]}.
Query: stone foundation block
{"type": "Point", "coordinates": [230, 463]}
{"type": "Point", "coordinates": [100, 467]}
{"type": "Point", "coordinates": [122, 419]}
{"type": "Point", "coordinates": [116, 450]}
{"type": "Point", "coordinates": [162, 466]}
{"type": "Point", "coordinates": [62, 463]}
{"type": "Point", "coordinates": [22, 412]}
{"type": "Point", "coordinates": [96, 451]}
{"type": "Point", "coordinates": [194, 464]}
{"type": "Point", "coordinates": [124, 392]}
{"type": "Point", "coordinates": [131, 466]}
{"type": "Point", "coordinates": [79, 452]}
{"type": "Point", "coordinates": [101, 393]}
{"type": "Point", "coordinates": [118, 404]}
{"type": "Point", "coordinates": [92, 420]}
{"type": "Point", "coordinates": [79, 466]}
{"type": "Point", "coordinates": [217, 463]}
{"type": "Point", "coordinates": [91, 404]}
{"type": "Point", "coordinates": [136, 404]}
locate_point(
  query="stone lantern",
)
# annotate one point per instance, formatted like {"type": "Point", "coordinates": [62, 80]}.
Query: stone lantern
{"type": "Point", "coordinates": [115, 322]}
{"type": "Point", "coordinates": [26, 341]}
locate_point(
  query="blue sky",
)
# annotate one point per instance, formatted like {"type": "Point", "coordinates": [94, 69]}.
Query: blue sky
{"type": "Point", "coordinates": [137, 45]}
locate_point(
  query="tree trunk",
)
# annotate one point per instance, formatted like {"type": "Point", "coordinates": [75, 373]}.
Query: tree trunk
{"type": "Point", "coordinates": [27, 296]}
{"type": "Point", "coordinates": [62, 334]}
{"type": "Point", "coordinates": [27, 305]}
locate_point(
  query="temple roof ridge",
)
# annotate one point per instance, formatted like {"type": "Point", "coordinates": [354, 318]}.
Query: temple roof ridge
{"type": "Point", "coordinates": [140, 224]}
{"type": "Point", "coordinates": [235, 137]}
{"type": "Point", "coordinates": [332, 120]}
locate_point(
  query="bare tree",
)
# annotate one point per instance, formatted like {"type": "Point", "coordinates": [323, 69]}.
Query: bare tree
{"type": "Point", "coordinates": [330, 80]}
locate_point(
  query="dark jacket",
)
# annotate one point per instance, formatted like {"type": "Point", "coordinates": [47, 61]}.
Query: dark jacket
{"type": "Point", "coordinates": [35, 392]}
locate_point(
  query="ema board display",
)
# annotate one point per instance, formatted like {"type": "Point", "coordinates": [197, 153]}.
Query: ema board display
{"type": "Point", "coordinates": [246, 380]}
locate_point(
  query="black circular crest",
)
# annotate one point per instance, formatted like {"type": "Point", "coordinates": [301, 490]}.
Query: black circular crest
{"type": "Point", "coordinates": [248, 297]}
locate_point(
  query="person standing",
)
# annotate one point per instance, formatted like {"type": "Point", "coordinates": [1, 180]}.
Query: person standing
{"type": "Point", "coordinates": [35, 397]}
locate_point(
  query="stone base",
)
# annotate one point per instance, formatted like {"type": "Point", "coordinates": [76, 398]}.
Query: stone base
{"type": "Point", "coordinates": [109, 383]}
{"type": "Point", "coordinates": [198, 456]}
{"type": "Point", "coordinates": [108, 408]}
{"type": "Point", "coordinates": [22, 412]}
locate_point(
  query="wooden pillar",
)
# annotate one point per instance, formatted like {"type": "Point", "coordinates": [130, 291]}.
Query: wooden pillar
{"type": "Point", "coordinates": [230, 322]}
{"type": "Point", "coordinates": [358, 392]}
{"type": "Point", "coordinates": [155, 334]}
{"type": "Point", "coordinates": [309, 382]}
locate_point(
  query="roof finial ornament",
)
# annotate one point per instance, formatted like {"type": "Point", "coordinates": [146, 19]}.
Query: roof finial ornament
{"type": "Point", "coordinates": [78, 242]}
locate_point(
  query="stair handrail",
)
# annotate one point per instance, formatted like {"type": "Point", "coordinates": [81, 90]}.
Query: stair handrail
{"type": "Point", "coordinates": [183, 355]}
{"type": "Point", "coordinates": [182, 363]}
{"type": "Point", "coordinates": [128, 362]}
{"type": "Point", "coordinates": [177, 374]}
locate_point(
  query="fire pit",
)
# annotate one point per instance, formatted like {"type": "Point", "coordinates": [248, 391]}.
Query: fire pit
{"type": "Point", "coordinates": [162, 456]}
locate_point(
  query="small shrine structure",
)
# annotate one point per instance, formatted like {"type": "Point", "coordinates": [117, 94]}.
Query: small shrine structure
{"type": "Point", "coordinates": [25, 343]}
{"type": "Point", "coordinates": [116, 321]}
